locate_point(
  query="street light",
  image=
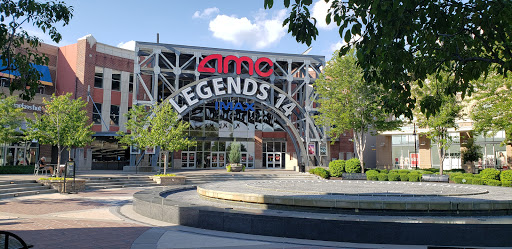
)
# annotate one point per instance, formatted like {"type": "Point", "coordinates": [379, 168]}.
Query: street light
{"type": "Point", "coordinates": [415, 148]}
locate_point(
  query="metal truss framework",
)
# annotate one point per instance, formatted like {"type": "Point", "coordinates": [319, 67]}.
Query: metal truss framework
{"type": "Point", "coordinates": [162, 71]}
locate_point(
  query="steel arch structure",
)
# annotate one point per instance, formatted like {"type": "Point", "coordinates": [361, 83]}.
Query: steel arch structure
{"type": "Point", "coordinates": [168, 72]}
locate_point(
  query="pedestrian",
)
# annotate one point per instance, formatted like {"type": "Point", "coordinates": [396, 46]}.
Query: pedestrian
{"type": "Point", "coordinates": [42, 165]}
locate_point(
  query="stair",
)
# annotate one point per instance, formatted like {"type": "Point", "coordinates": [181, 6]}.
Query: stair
{"type": "Point", "coordinates": [9, 189]}
{"type": "Point", "coordinates": [95, 183]}
{"type": "Point", "coordinates": [197, 179]}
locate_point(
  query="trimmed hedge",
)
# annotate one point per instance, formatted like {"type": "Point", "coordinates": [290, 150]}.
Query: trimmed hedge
{"type": "Point", "coordinates": [385, 171]}
{"type": "Point", "coordinates": [452, 175]}
{"type": "Point", "coordinates": [506, 175]}
{"type": "Point", "coordinates": [458, 179]}
{"type": "Point", "coordinates": [404, 177]}
{"type": "Point", "coordinates": [353, 166]}
{"type": "Point", "coordinates": [506, 183]}
{"type": "Point", "coordinates": [383, 177]}
{"type": "Point", "coordinates": [490, 174]}
{"type": "Point", "coordinates": [28, 169]}
{"type": "Point", "coordinates": [393, 176]}
{"type": "Point", "coordinates": [414, 177]}
{"type": "Point", "coordinates": [321, 172]}
{"type": "Point", "coordinates": [491, 182]}
{"type": "Point", "coordinates": [477, 181]}
{"type": "Point", "coordinates": [372, 175]}
{"type": "Point", "coordinates": [336, 168]}
{"type": "Point", "coordinates": [401, 171]}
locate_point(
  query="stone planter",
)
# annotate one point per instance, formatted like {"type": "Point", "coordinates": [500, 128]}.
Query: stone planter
{"type": "Point", "coordinates": [59, 184]}
{"type": "Point", "coordinates": [236, 167]}
{"type": "Point", "coordinates": [353, 176]}
{"type": "Point", "coordinates": [169, 180]}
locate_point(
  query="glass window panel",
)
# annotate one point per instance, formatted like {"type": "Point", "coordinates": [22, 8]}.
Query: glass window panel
{"type": "Point", "coordinates": [270, 147]}
{"type": "Point", "coordinates": [98, 77]}
{"type": "Point", "coordinates": [116, 81]}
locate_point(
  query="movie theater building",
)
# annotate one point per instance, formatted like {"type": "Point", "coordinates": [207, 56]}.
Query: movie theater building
{"type": "Point", "coordinates": [262, 100]}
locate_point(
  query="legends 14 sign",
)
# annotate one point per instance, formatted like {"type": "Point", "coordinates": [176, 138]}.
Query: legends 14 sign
{"type": "Point", "coordinates": [217, 87]}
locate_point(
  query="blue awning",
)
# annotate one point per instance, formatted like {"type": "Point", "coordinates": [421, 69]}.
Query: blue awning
{"type": "Point", "coordinates": [46, 78]}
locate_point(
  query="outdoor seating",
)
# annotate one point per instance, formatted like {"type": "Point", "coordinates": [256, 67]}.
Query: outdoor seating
{"type": "Point", "coordinates": [11, 240]}
{"type": "Point", "coordinates": [37, 170]}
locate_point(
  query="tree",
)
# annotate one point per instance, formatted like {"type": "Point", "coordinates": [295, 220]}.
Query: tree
{"type": "Point", "coordinates": [492, 111]}
{"type": "Point", "coordinates": [403, 41]}
{"type": "Point", "coordinates": [157, 126]}
{"type": "Point", "coordinates": [64, 123]}
{"type": "Point", "coordinates": [439, 123]}
{"type": "Point", "coordinates": [471, 152]}
{"type": "Point", "coordinates": [10, 119]}
{"type": "Point", "coordinates": [19, 49]}
{"type": "Point", "coordinates": [347, 102]}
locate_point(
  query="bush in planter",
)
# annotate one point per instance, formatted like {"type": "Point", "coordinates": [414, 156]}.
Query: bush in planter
{"type": "Point", "coordinates": [401, 171]}
{"type": "Point", "coordinates": [477, 181]}
{"type": "Point", "coordinates": [393, 176]}
{"type": "Point", "coordinates": [17, 169]}
{"type": "Point", "coordinates": [458, 179]}
{"type": "Point", "coordinates": [490, 174]}
{"type": "Point", "coordinates": [372, 175]}
{"type": "Point", "coordinates": [493, 182]}
{"type": "Point", "coordinates": [234, 152]}
{"type": "Point", "coordinates": [353, 166]}
{"type": "Point", "coordinates": [452, 175]}
{"type": "Point", "coordinates": [404, 177]}
{"type": "Point", "coordinates": [506, 183]}
{"type": "Point", "coordinates": [382, 177]}
{"type": "Point", "coordinates": [312, 171]}
{"type": "Point", "coordinates": [336, 168]}
{"type": "Point", "coordinates": [385, 171]}
{"type": "Point", "coordinates": [414, 177]}
{"type": "Point", "coordinates": [322, 172]}
{"type": "Point", "coordinates": [506, 175]}
{"type": "Point", "coordinates": [228, 168]}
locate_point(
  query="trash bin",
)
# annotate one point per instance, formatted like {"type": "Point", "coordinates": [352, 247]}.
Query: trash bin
{"type": "Point", "coordinates": [302, 167]}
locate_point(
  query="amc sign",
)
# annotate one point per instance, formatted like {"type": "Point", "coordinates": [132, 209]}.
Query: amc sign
{"type": "Point", "coordinates": [222, 63]}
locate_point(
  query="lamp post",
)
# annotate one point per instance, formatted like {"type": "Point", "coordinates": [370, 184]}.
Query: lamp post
{"type": "Point", "coordinates": [415, 147]}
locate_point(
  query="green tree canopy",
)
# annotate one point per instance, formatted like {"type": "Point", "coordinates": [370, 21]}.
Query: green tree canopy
{"type": "Point", "coordinates": [64, 123]}
{"type": "Point", "coordinates": [347, 102]}
{"type": "Point", "coordinates": [402, 41]}
{"type": "Point", "coordinates": [11, 118]}
{"type": "Point", "coordinates": [492, 110]}
{"type": "Point", "coordinates": [158, 125]}
{"type": "Point", "coordinates": [19, 49]}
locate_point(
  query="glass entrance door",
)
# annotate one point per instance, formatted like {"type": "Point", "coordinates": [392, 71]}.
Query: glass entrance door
{"type": "Point", "coordinates": [274, 160]}
{"type": "Point", "coordinates": [188, 160]}
{"type": "Point", "coordinates": [218, 159]}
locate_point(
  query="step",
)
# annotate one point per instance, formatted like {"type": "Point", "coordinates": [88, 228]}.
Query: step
{"type": "Point", "coordinates": [27, 193]}
{"type": "Point", "coordinates": [118, 183]}
{"type": "Point", "coordinates": [7, 183]}
{"type": "Point", "coordinates": [120, 186]}
{"type": "Point", "coordinates": [18, 185]}
{"type": "Point", "coordinates": [16, 189]}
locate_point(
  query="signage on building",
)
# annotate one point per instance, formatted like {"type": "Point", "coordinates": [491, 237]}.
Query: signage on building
{"type": "Point", "coordinates": [28, 107]}
{"type": "Point", "coordinates": [217, 87]}
{"type": "Point", "coordinates": [323, 149]}
{"type": "Point", "coordinates": [223, 64]}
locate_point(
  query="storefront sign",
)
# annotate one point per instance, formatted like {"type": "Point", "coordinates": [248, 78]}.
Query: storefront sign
{"type": "Point", "coordinates": [217, 87]}
{"type": "Point", "coordinates": [224, 64]}
{"type": "Point", "coordinates": [323, 149]}
{"type": "Point", "coordinates": [233, 106]}
{"type": "Point", "coordinates": [28, 107]}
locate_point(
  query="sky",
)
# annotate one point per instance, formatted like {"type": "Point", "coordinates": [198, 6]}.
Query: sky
{"type": "Point", "coordinates": [229, 24]}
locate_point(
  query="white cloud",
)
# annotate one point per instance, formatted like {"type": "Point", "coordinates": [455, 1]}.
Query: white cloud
{"type": "Point", "coordinates": [206, 13]}
{"type": "Point", "coordinates": [130, 45]}
{"type": "Point", "coordinates": [319, 12]}
{"type": "Point", "coordinates": [258, 33]}
{"type": "Point", "coordinates": [340, 44]}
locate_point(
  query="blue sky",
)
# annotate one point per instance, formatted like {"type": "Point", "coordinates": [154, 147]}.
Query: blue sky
{"type": "Point", "coordinates": [229, 24]}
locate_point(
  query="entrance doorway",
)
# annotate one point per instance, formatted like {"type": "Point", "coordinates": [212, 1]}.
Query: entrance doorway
{"type": "Point", "coordinates": [188, 160]}
{"type": "Point", "coordinates": [274, 160]}
{"type": "Point", "coordinates": [274, 154]}
{"type": "Point", "coordinates": [218, 160]}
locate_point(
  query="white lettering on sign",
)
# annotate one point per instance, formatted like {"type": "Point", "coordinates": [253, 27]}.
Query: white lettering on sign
{"type": "Point", "coordinates": [28, 107]}
{"type": "Point", "coordinates": [218, 87]}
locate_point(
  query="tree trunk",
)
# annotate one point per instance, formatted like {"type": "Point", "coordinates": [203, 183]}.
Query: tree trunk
{"type": "Point", "coordinates": [58, 161]}
{"type": "Point", "coordinates": [360, 142]}
{"type": "Point", "coordinates": [165, 162]}
{"type": "Point", "coordinates": [442, 153]}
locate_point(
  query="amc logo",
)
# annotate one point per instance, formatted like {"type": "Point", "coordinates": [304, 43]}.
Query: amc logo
{"type": "Point", "coordinates": [223, 63]}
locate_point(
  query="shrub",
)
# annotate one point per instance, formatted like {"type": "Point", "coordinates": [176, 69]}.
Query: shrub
{"type": "Point", "coordinates": [312, 171]}
{"type": "Point", "coordinates": [401, 171]}
{"type": "Point", "coordinates": [228, 168]}
{"type": "Point", "coordinates": [458, 179]}
{"type": "Point", "coordinates": [385, 171]}
{"type": "Point", "coordinates": [477, 181]}
{"type": "Point", "coordinates": [393, 176]}
{"type": "Point", "coordinates": [490, 174]}
{"type": "Point", "coordinates": [492, 182]}
{"type": "Point", "coordinates": [467, 180]}
{"type": "Point", "coordinates": [477, 176]}
{"type": "Point", "coordinates": [452, 175]}
{"type": "Point", "coordinates": [353, 166]}
{"type": "Point", "coordinates": [393, 170]}
{"type": "Point", "coordinates": [337, 167]}
{"type": "Point", "coordinates": [506, 175]}
{"type": "Point", "coordinates": [455, 171]}
{"type": "Point", "coordinates": [414, 177]}
{"type": "Point", "coordinates": [29, 169]}
{"type": "Point", "coordinates": [234, 152]}
{"type": "Point", "coordinates": [506, 183]}
{"type": "Point", "coordinates": [383, 177]}
{"type": "Point", "coordinates": [372, 175]}
{"type": "Point", "coordinates": [322, 172]}
{"type": "Point", "coordinates": [404, 177]}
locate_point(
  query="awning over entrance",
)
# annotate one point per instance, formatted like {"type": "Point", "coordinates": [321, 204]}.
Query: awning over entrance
{"type": "Point", "coordinates": [46, 78]}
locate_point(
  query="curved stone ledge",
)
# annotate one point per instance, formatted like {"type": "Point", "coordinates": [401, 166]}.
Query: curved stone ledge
{"type": "Point", "coordinates": [341, 203]}
{"type": "Point", "coordinates": [152, 204]}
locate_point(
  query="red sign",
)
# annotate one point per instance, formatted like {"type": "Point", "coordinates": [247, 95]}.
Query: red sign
{"type": "Point", "coordinates": [414, 159]}
{"type": "Point", "coordinates": [224, 62]}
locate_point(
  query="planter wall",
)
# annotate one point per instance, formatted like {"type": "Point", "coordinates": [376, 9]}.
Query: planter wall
{"type": "Point", "coordinates": [353, 176]}
{"type": "Point", "coordinates": [59, 185]}
{"type": "Point", "coordinates": [169, 180]}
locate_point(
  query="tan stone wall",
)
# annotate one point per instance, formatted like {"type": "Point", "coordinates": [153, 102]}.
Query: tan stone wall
{"type": "Point", "coordinates": [424, 148]}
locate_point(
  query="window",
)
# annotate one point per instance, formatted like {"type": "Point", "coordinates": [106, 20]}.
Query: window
{"type": "Point", "coordinates": [6, 82]}
{"type": "Point", "coordinates": [116, 81]}
{"type": "Point", "coordinates": [114, 115]}
{"type": "Point", "coordinates": [96, 113]}
{"type": "Point", "coordinates": [130, 84]}
{"type": "Point", "coordinates": [98, 77]}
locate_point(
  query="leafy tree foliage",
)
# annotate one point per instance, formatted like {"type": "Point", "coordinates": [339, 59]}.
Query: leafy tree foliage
{"type": "Point", "coordinates": [19, 49]}
{"type": "Point", "coordinates": [347, 102]}
{"type": "Point", "coordinates": [402, 41]}
{"type": "Point", "coordinates": [156, 126]}
{"type": "Point", "coordinates": [471, 152]}
{"type": "Point", "coordinates": [10, 119]}
{"type": "Point", "coordinates": [439, 123]}
{"type": "Point", "coordinates": [64, 123]}
{"type": "Point", "coordinates": [492, 110]}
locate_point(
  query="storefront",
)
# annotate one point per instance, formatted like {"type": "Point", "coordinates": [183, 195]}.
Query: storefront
{"type": "Point", "coordinates": [262, 100]}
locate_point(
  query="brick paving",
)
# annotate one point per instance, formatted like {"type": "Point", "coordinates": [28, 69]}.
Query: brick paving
{"type": "Point", "coordinates": [71, 221]}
